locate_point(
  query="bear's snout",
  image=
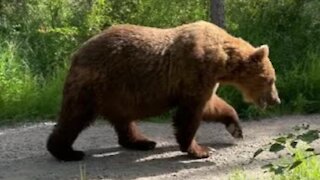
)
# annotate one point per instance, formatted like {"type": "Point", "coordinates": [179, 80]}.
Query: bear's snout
{"type": "Point", "coordinates": [274, 101]}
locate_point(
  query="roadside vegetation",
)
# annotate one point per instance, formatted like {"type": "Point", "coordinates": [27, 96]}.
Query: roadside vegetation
{"type": "Point", "coordinates": [38, 36]}
{"type": "Point", "coordinates": [297, 159]}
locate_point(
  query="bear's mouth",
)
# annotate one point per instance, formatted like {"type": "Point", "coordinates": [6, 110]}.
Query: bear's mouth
{"type": "Point", "coordinates": [263, 103]}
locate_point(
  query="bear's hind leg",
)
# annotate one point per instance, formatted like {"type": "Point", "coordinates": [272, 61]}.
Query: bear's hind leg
{"type": "Point", "coordinates": [130, 137]}
{"type": "Point", "coordinates": [76, 114]}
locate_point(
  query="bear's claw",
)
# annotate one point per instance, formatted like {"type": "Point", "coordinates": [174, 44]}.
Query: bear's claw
{"type": "Point", "coordinates": [235, 130]}
{"type": "Point", "coordinates": [199, 152]}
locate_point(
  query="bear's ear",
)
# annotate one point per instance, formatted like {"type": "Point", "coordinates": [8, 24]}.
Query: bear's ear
{"type": "Point", "coordinates": [260, 53]}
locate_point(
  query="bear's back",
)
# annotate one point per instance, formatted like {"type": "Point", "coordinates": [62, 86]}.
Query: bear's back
{"type": "Point", "coordinates": [127, 41]}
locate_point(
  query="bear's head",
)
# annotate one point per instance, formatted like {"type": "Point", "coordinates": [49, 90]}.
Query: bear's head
{"type": "Point", "coordinates": [252, 72]}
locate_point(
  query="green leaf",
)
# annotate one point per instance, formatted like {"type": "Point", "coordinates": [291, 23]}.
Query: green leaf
{"type": "Point", "coordinates": [289, 136]}
{"type": "Point", "coordinates": [278, 170]}
{"type": "Point", "coordinates": [310, 149]}
{"type": "Point", "coordinates": [267, 166]}
{"type": "Point", "coordinates": [259, 151]}
{"type": "Point", "coordinates": [309, 136]}
{"type": "Point", "coordinates": [293, 144]}
{"type": "Point", "coordinates": [295, 164]}
{"type": "Point", "coordinates": [276, 147]}
{"type": "Point", "coordinates": [281, 140]}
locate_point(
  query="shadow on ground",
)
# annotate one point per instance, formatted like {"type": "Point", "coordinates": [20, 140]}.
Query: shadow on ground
{"type": "Point", "coordinates": [23, 154]}
{"type": "Point", "coordinates": [114, 163]}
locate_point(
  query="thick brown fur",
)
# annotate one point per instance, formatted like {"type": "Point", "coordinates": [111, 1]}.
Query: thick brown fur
{"type": "Point", "coordinates": [129, 72]}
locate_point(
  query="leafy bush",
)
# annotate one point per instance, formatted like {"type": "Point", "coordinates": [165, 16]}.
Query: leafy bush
{"type": "Point", "coordinates": [38, 36]}
{"type": "Point", "coordinates": [298, 149]}
{"type": "Point", "coordinates": [22, 93]}
{"type": "Point", "coordinates": [291, 28]}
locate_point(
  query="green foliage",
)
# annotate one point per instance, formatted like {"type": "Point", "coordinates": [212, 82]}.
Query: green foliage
{"type": "Point", "coordinates": [285, 25]}
{"type": "Point", "coordinates": [22, 93]}
{"type": "Point", "coordinates": [238, 175]}
{"type": "Point", "coordinates": [38, 36]}
{"type": "Point", "coordinates": [297, 146]}
{"type": "Point", "coordinates": [291, 28]}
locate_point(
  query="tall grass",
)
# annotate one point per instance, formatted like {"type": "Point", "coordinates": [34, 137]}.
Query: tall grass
{"type": "Point", "coordinates": [23, 94]}
{"type": "Point", "coordinates": [291, 28]}
{"type": "Point", "coordinates": [38, 36]}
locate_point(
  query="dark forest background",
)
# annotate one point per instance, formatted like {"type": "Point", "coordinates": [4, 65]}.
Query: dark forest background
{"type": "Point", "coordinates": [38, 36]}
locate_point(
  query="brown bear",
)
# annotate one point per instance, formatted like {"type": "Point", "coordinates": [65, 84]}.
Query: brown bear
{"type": "Point", "coordinates": [128, 72]}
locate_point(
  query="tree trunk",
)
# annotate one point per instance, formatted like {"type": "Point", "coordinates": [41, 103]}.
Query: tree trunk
{"type": "Point", "coordinates": [217, 12]}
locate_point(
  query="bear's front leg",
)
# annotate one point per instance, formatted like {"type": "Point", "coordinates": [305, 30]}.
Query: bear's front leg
{"type": "Point", "coordinates": [186, 123]}
{"type": "Point", "coordinates": [218, 110]}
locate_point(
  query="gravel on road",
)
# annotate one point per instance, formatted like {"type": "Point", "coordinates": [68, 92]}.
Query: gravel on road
{"type": "Point", "coordinates": [23, 154]}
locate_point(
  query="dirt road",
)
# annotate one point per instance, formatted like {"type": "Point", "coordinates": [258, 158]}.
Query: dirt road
{"type": "Point", "coordinates": [23, 154]}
